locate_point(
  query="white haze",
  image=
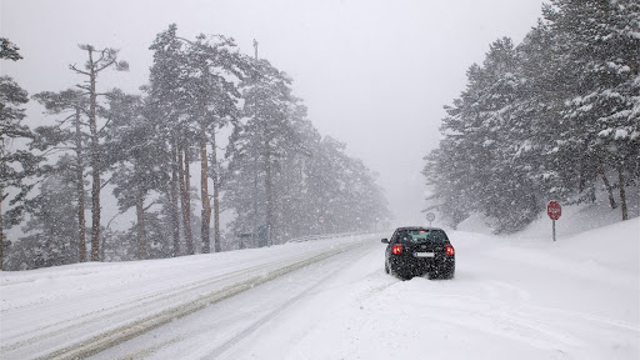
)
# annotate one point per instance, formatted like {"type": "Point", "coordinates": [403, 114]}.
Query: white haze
{"type": "Point", "coordinates": [374, 74]}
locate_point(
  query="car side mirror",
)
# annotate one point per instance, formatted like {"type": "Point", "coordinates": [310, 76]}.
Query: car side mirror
{"type": "Point", "coordinates": [385, 241]}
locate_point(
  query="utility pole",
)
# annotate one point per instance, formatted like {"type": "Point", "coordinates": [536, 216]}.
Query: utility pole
{"type": "Point", "coordinates": [255, 178]}
{"type": "Point", "coordinates": [255, 45]}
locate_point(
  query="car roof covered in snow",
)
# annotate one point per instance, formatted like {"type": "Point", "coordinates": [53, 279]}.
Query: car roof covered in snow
{"type": "Point", "coordinates": [417, 228]}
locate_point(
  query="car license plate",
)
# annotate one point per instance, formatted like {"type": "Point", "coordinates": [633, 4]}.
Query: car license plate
{"type": "Point", "coordinates": [424, 254]}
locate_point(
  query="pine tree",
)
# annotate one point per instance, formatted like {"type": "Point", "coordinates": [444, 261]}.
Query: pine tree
{"type": "Point", "coordinates": [68, 133]}
{"type": "Point", "coordinates": [259, 145]}
{"type": "Point", "coordinates": [214, 67]}
{"type": "Point", "coordinates": [52, 235]}
{"type": "Point", "coordinates": [484, 133]}
{"type": "Point", "coordinates": [16, 164]}
{"type": "Point", "coordinates": [601, 41]}
{"type": "Point", "coordinates": [546, 119]}
{"type": "Point", "coordinates": [169, 103]}
{"type": "Point", "coordinates": [141, 155]}
{"type": "Point", "coordinates": [97, 61]}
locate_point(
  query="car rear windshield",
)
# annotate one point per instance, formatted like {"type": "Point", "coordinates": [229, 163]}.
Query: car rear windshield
{"type": "Point", "coordinates": [422, 236]}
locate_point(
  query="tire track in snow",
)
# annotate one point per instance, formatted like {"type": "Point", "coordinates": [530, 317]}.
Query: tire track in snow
{"type": "Point", "coordinates": [226, 347]}
{"type": "Point", "coordinates": [241, 281]}
{"type": "Point", "coordinates": [128, 310]}
{"type": "Point", "coordinates": [134, 304]}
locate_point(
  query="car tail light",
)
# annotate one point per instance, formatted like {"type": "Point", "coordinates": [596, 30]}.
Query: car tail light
{"type": "Point", "coordinates": [397, 249]}
{"type": "Point", "coordinates": [449, 250]}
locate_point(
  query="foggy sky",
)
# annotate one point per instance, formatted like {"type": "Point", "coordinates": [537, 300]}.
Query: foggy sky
{"type": "Point", "coordinates": [374, 74]}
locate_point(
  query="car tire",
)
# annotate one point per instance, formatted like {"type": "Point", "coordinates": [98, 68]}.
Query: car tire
{"type": "Point", "coordinates": [395, 273]}
{"type": "Point", "coordinates": [404, 276]}
{"type": "Point", "coordinates": [449, 272]}
{"type": "Point", "coordinates": [386, 267]}
{"type": "Point", "coordinates": [444, 272]}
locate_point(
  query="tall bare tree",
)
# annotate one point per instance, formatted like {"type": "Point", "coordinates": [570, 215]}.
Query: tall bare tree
{"type": "Point", "coordinates": [98, 61]}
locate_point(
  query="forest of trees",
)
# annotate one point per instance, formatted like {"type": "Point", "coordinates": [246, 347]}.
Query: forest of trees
{"type": "Point", "coordinates": [277, 176]}
{"type": "Point", "coordinates": [554, 118]}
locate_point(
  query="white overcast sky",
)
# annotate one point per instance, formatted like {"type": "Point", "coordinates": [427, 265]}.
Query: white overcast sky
{"type": "Point", "coordinates": [374, 74]}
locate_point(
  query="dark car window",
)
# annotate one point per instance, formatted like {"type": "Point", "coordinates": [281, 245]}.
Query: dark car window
{"type": "Point", "coordinates": [422, 236]}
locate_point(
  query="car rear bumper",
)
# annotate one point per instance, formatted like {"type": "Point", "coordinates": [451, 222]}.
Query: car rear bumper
{"type": "Point", "coordinates": [410, 265]}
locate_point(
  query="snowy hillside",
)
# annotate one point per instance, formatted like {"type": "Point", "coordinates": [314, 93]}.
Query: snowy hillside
{"type": "Point", "coordinates": [520, 296]}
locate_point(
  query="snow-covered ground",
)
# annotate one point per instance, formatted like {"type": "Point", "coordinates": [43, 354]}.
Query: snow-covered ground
{"type": "Point", "coordinates": [519, 296]}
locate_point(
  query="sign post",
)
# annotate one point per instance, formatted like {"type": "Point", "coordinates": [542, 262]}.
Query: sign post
{"type": "Point", "coordinates": [430, 217]}
{"type": "Point", "coordinates": [554, 210]}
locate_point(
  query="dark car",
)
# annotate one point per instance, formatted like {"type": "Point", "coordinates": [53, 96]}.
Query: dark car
{"type": "Point", "coordinates": [416, 251]}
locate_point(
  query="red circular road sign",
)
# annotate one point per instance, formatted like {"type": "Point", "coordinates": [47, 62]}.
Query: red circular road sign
{"type": "Point", "coordinates": [554, 210]}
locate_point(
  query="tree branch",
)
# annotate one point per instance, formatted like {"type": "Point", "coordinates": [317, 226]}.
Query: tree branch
{"type": "Point", "coordinates": [74, 68]}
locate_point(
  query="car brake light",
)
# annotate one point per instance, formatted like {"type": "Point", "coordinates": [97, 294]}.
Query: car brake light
{"type": "Point", "coordinates": [397, 249]}
{"type": "Point", "coordinates": [449, 249]}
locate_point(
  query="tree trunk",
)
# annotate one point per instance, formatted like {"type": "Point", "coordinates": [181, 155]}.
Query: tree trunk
{"type": "Point", "coordinates": [607, 184]}
{"type": "Point", "coordinates": [623, 197]}
{"type": "Point", "coordinates": [174, 202]}
{"type": "Point", "coordinates": [95, 164]}
{"type": "Point", "coordinates": [140, 233]}
{"type": "Point", "coordinates": [216, 194]}
{"type": "Point", "coordinates": [185, 196]}
{"type": "Point", "coordinates": [1, 229]}
{"type": "Point", "coordinates": [204, 193]}
{"type": "Point", "coordinates": [82, 246]}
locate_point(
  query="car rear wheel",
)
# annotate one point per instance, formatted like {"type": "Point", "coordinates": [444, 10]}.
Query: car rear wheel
{"type": "Point", "coordinates": [448, 274]}
{"type": "Point", "coordinates": [445, 272]}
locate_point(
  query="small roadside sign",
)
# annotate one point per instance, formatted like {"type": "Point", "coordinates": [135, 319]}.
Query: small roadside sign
{"type": "Point", "coordinates": [430, 217]}
{"type": "Point", "coordinates": [554, 210]}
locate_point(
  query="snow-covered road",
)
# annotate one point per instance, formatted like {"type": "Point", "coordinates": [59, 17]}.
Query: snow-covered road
{"type": "Point", "coordinates": [75, 311]}
{"type": "Point", "coordinates": [525, 298]}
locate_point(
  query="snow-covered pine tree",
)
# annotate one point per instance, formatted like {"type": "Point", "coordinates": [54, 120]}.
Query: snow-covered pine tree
{"type": "Point", "coordinates": [16, 163]}
{"type": "Point", "coordinates": [565, 116]}
{"type": "Point", "coordinates": [142, 157]}
{"type": "Point", "coordinates": [257, 147]}
{"type": "Point", "coordinates": [602, 43]}
{"type": "Point", "coordinates": [507, 194]}
{"type": "Point", "coordinates": [214, 69]}
{"type": "Point", "coordinates": [68, 133]}
{"type": "Point", "coordinates": [546, 148]}
{"type": "Point", "coordinates": [340, 192]}
{"type": "Point", "coordinates": [167, 101]}
{"type": "Point", "coordinates": [476, 167]}
{"type": "Point", "coordinates": [51, 234]}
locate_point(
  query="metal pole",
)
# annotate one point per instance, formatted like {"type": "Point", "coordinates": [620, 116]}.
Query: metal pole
{"type": "Point", "coordinates": [255, 45]}
{"type": "Point", "coordinates": [256, 240]}
{"type": "Point", "coordinates": [554, 230]}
